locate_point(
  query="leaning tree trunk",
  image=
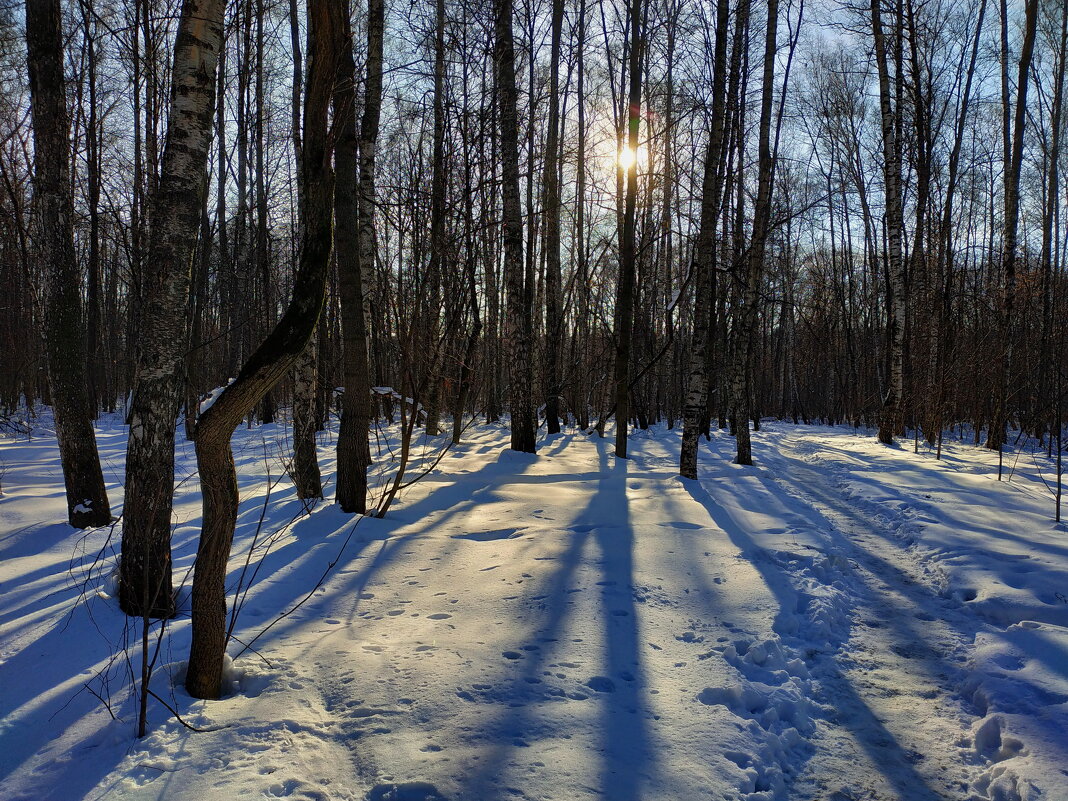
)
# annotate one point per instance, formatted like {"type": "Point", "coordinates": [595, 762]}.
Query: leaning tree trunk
{"type": "Point", "coordinates": [87, 500]}
{"type": "Point", "coordinates": [517, 322]}
{"type": "Point", "coordinates": [145, 570]}
{"type": "Point", "coordinates": [704, 260]}
{"type": "Point", "coordinates": [269, 363]}
{"type": "Point", "coordinates": [355, 242]}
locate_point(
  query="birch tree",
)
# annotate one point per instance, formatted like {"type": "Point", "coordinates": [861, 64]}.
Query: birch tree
{"type": "Point", "coordinates": [145, 586]}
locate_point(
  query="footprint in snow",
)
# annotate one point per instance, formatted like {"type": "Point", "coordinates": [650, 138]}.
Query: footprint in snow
{"type": "Point", "coordinates": [408, 791]}
{"type": "Point", "coordinates": [601, 684]}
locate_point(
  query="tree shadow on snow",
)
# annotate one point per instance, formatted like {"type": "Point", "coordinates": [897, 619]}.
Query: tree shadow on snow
{"type": "Point", "coordinates": [886, 752]}
{"type": "Point", "coordinates": [626, 753]}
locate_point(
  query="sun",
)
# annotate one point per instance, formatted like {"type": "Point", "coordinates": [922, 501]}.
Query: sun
{"type": "Point", "coordinates": [626, 157]}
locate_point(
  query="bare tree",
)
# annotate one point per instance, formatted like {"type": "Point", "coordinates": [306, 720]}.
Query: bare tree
{"type": "Point", "coordinates": [356, 256]}
{"type": "Point", "coordinates": [87, 500]}
{"type": "Point", "coordinates": [627, 254]}
{"type": "Point", "coordinates": [145, 577]}
{"type": "Point", "coordinates": [703, 264]}
{"type": "Point", "coordinates": [518, 319]}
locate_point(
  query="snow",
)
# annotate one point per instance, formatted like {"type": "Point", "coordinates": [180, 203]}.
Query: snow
{"type": "Point", "coordinates": [843, 621]}
{"type": "Point", "coordinates": [209, 400]}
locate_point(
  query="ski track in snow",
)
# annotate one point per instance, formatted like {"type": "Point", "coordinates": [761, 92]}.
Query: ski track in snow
{"type": "Point", "coordinates": [572, 626]}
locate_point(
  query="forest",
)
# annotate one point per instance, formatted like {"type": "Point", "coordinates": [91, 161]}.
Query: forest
{"type": "Point", "coordinates": [370, 236]}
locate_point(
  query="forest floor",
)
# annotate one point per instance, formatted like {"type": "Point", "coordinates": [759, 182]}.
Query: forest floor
{"type": "Point", "coordinates": [841, 622]}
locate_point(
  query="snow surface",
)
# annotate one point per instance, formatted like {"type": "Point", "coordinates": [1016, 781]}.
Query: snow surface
{"type": "Point", "coordinates": [842, 622]}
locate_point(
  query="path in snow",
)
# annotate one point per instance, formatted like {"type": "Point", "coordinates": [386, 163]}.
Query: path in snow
{"type": "Point", "coordinates": [892, 686]}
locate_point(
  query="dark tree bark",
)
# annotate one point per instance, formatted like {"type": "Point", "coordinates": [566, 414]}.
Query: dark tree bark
{"type": "Point", "coordinates": [93, 137]}
{"type": "Point", "coordinates": [145, 571]}
{"type": "Point", "coordinates": [87, 500]}
{"type": "Point", "coordinates": [890, 112]}
{"type": "Point", "coordinates": [355, 256]}
{"type": "Point", "coordinates": [747, 313]}
{"type": "Point", "coordinates": [517, 325]}
{"type": "Point", "coordinates": [263, 257]}
{"type": "Point", "coordinates": [1011, 218]}
{"type": "Point", "coordinates": [270, 361]}
{"type": "Point", "coordinates": [704, 259]}
{"type": "Point", "coordinates": [551, 232]}
{"type": "Point", "coordinates": [627, 254]}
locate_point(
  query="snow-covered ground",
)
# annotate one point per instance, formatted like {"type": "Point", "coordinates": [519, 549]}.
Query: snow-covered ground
{"type": "Point", "coordinates": [843, 621]}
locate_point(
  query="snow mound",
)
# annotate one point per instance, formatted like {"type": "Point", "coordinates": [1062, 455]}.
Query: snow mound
{"type": "Point", "coordinates": [1016, 683]}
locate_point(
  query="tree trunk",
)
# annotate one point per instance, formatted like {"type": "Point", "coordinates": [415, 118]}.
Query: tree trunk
{"type": "Point", "coordinates": [517, 323]}
{"type": "Point", "coordinates": [704, 260]}
{"type": "Point", "coordinates": [627, 254]}
{"type": "Point", "coordinates": [890, 417]}
{"type": "Point", "coordinates": [1011, 218]}
{"type": "Point", "coordinates": [270, 361]}
{"type": "Point", "coordinates": [355, 256]}
{"type": "Point", "coordinates": [87, 500]}
{"type": "Point", "coordinates": [307, 479]}
{"type": "Point", "coordinates": [145, 577]}
{"type": "Point", "coordinates": [747, 315]}
{"type": "Point", "coordinates": [551, 232]}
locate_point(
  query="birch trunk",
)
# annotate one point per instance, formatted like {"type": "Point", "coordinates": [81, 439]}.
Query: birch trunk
{"type": "Point", "coordinates": [704, 260]}
{"type": "Point", "coordinates": [890, 417]}
{"type": "Point", "coordinates": [145, 571]}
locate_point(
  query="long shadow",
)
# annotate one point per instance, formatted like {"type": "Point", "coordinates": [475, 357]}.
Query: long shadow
{"type": "Point", "coordinates": [48, 703]}
{"type": "Point", "coordinates": [872, 734]}
{"type": "Point", "coordinates": [627, 756]}
{"type": "Point", "coordinates": [491, 475]}
{"type": "Point", "coordinates": [957, 616]}
{"type": "Point", "coordinates": [919, 593]}
{"type": "Point", "coordinates": [524, 688]}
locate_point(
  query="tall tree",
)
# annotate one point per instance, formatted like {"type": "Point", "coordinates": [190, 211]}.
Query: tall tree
{"type": "Point", "coordinates": [551, 230]}
{"type": "Point", "coordinates": [1011, 224]}
{"type": "Point", "coordinates": [355, 257]}
{"type": "Point", "coordinates": [704, 258]}
{"type": "Point", "coordinates": [87, 500]}
{"type": "Point", "coordinates": [890, 112]}
{"type": "Point", "coordinates": [518, 319]}
{"type": "Point", "coordinates": [176, 203]}
{"type": "Point", "coordinates": [307, 479]}
{"type": "Point", "coordinates": [627, 240]}
{"type": "Point", "coordinates": [754, 272]}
